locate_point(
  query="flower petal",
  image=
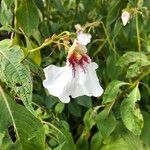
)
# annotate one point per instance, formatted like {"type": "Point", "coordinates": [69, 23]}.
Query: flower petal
{"type": "Point", "coordinates": [87, 82]}
{"type": "Point", "coordinates": [58, 81]}
{"type": "Point", "coordinates": [84, 38]}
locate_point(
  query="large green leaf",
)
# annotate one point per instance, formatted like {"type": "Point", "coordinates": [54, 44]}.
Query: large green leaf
{"type": "Point", "coordinates": [130, 113]}
{"type": "Point", "coordinates": [112, 91]}
{"type": "Point", "coordinates": [14, 73]}
{"type": "Point", "coordinates": [106, 122]}
{"type": "Point", "coordinates": [131, 57]}
{"type": "Point", "coordinates": [27, 16]}
{"type": "Point", "coordinates": [138, 68]}
{"type": "Point", "coordinates": [124, 142]}
{"type": "Point", "coordinates": [135, 63]}
{"type": "Point", "coordinates": [28, 130]}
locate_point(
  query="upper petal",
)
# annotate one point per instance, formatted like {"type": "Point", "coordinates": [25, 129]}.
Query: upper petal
{"type": "Point", "coordinates": [84, 38]}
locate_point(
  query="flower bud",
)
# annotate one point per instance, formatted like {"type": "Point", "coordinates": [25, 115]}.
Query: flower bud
{"type": "Point", "coordinates": [125, 16]}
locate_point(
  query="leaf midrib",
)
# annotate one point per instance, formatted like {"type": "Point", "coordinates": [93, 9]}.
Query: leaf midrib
{"type": "Point", "coordinates": [10, 111]}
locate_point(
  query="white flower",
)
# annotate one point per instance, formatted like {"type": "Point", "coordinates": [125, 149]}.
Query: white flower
{"type": "Point", "coordinates": [125, 16]}
{"type": "Point", "coordinates": [78, 77]}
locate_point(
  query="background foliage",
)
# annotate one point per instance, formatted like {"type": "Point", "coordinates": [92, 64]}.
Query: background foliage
{"type": "Point", "coordinates": [30, 118]}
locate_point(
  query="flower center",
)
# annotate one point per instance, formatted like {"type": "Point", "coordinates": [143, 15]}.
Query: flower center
{"type": "Point", "coordinates": [77, 60]}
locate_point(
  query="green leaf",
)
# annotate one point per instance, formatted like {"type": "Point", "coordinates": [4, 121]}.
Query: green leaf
{"type": "Point", "coordinates": [58, 5]}
{"type": "Point", "coordinates": [117, 28]}
{"type": "Point", "coordinates": [6, 16]}
{"type": "Point", "coordinates": [90, 118]}
{"type": "Point", "coordinates": [35, 56]}
{"type": "Point", "coordinates": [146, 132]}
{"type": "Point", "coordinates": [131, 57]}
{"type": "Point", "coordinates": [8, 2]}
{"type": "Point", "coordinates": [113, 11]}
{"type": "Point", "coordinates": [112, 91]}
{"type": "Point", "coordinates": [138, 68]}
{"type": "Point", "coordinates": [1, 138]}
{"type": "Point", "coordinates": [111, 69]}
{"type": "Point", "coordinates": [74, 109]}
{"type": "Point", "coordinates": [84, 101]}
{"type": "Point", "coordinates": [14, 74]}
{"type": "Point", "coordinates": [28, 130]}
{"type": "Point", "coordinates": [82, 143]}
{"type": "Point", "coordinates": [124, 142]}
{"type": "Point", "coordinates": [96, 141]}
{"type": "Point", "coordinates": [106, 122]}
{"type": "Point", "coordinates": [62, 136]}
{"type": "Point", "coordinates": [27, 16]}
{"type": "Point", "coordinates": [130, 113]}
{"type": "Point", "coordinates": [44, 28]}
{"type": "Point", "coordinates": [134, 63]}
{"type": "Point", "coordinates": [34, 68]}
{"type": "Point", "coordinates": [59, 107]}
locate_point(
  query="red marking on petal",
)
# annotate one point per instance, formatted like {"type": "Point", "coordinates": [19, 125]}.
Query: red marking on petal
{"type": "Point", "coordinates": [76, 62]}
{"type": "Point", "coordinates": [73, 61]}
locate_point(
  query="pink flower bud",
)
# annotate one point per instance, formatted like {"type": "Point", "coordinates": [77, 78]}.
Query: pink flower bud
{"type": "Point", "coordinates": [125, 16]}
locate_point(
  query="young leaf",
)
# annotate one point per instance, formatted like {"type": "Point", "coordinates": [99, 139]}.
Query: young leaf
{"type": "Point", "coordinates": [13, 73]}
{"type": "Point", "coordinates": [130, 113]}
{"type": "Point", "coordinates": [112, 91]}
{"type": "Point", "coordinates": [27, 16]}
{"type": "Point", "coordinates": [28, 130]}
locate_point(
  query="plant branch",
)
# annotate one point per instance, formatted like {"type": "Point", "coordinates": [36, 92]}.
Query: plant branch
{"type": "Point", "coordinates": [138, 33]}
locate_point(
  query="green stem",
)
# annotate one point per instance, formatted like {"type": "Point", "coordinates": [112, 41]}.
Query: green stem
{"type": "Point", "coordinates": [52, 40]}
{"type": "Point", "coordinates": [40, 47]}
{"type": "Point", "coordinates": [107, 37]}
{"type": "Point", "coordinates": [15, 11]}
{"type": "Point", "coordinates": [100, 48]}
{"type": "Point", "coordinates": [138, 33]}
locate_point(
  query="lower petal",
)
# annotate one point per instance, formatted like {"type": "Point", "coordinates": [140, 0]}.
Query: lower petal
{"type": "Point", "coordinates": [58, 81]}
{"type": "Point", "coordinates": [87, 82]}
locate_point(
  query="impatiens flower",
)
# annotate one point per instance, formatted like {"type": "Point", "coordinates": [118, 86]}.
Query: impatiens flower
{"type": "Point", "coordinates": [125, 17]}
{"type": "Point", "coordinates": [78, 77]}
